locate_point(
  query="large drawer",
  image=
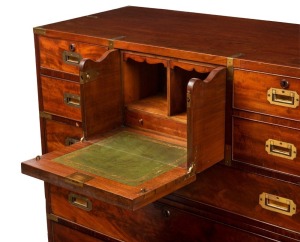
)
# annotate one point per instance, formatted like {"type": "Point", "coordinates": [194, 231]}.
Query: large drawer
{"type": "Point", "coordinates": [249, 201]}
{"type": "Point", "coordinates": [266, 145]}
{"type": "Point", "coordinates": [61, 233]}
{"type": "Point", "coordinates": [63, 55]}
{"type": "Point", "coordinates": [61, 97]}
{"type": "Point", "coordinates": [267, 94]}
{"type": "Point", "coordinates": [156, 222]}
{"type": "Point", "coordinates": [59, 134]}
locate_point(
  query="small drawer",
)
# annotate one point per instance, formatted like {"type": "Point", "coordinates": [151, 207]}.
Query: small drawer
{"type": "Point", "coordinates": [267, 94]}
{"type": "Point", "coordinates": [59, 135]}
{"type": "Point", "coordinates": [266, 145]}
{"type": "Point", "coordinates": [61, 97]}
{"type": "Point", "coordinates": [62, 55]}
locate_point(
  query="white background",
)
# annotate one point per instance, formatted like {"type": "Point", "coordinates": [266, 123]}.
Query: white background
{"type": "Point", "coordinates": [22, 203]}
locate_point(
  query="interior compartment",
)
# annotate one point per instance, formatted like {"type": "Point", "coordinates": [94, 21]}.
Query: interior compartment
{"type": "Point", "coordinates": [179, 79]}
{"type": "Point", "coordinates": [145, 85]}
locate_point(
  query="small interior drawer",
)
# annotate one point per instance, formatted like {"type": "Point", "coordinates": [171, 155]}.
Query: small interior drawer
{"type": "Point", "coordinates": [63, 55]}
{"type": "Point", "coordinates": [267, 94]}
{"type": "Point", "coordinates": [266, 145]}
{"type": "Point", "coordinates": [59, 134]}
{"type": "Point", "coordinates": [61, 97]}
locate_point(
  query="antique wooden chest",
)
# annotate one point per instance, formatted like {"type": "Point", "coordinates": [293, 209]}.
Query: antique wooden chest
{"type": "Point", "coordinates": [185, 128]}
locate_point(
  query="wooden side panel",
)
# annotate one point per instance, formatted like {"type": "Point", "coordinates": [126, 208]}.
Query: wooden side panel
{"type": "Point", "coordinates": [102, 96]}
{"type": "Point", "coordinates": [206, 119]}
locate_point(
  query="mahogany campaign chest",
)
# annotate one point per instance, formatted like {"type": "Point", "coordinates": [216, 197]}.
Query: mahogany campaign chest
{"type": "Point", "coordinates": [161, 125]}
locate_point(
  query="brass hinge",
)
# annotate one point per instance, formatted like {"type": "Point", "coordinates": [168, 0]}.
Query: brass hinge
{"type": "Point", "coordinates": [88, 76]}
{"type": "Point", "coordinates": [228, 157]}
{"type": "Point", "coordinates": [52, 217]}
{"type": "Point", "coordinates": [111, 41]}
{"type": "Point", "coordinates": [45, 115]}
{"type": "Point", "coordinates": [188, 99]}
{"type": "Point", "coordinates": [230, 68]}
{"type": "Point", "coordinates": [39, 30]}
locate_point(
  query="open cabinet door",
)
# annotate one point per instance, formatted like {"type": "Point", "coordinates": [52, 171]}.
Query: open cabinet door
{"type": "Point", "coordinates": [101, 93]}
{"type": "Point", "coordinates": [206, 119]}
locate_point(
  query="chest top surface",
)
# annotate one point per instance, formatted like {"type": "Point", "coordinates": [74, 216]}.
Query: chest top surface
{"type": "Point", "coordinates": [177, 34]}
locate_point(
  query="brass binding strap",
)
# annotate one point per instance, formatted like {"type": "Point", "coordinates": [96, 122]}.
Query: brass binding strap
{"type": "Point", "coordinates": [277, 204]}
{"type": "Point", "coordinates": [78, 179]}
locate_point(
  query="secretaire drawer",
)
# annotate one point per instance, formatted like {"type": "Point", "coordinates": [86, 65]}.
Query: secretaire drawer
{"type": "Point", "coordinates": [266, 93]}
{"type": "Point", "coordinates": [267, 145]}
{"type": "Point", "coordinates": [61, 97]}
{"type": "Point", "coordinates": [63, 55]}
{"type": "Point", "coordinates": [59, 134]}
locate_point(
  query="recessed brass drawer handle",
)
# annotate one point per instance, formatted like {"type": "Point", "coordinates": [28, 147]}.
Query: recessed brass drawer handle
{"type": "Point", "coordinates": [80, 201]}
{"type": "Point", "coordinates": [281, 149]}
{"type": "Point", "coordinates": [277, 204]}
{"type": "Point", "coordinates": [283, 97]}
{"type": "Point", "coordinates": [72, 100]}
{"type": "Point", "coordinates": [71, 58]}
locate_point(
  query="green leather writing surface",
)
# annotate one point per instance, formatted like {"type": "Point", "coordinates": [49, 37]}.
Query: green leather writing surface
{"type": "Point", "coordinates": [126, 157]}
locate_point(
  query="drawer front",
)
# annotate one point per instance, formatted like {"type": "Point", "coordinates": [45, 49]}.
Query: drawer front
{"type": "Point", "coordinates": [61, 97]}
{"type": "Point", "coordinates": [60, 233]}
{"type": "Point", "coordinates": [266, 145]}
{"type": "Point", "coordinates": [267, 94]}
{"type": "Point", "coordinates": [165, 125]}
{"type": "Point", "coordinates": [248, 198]}
{"type": "Point", "coordinates": [59, 135]}
{"type": "Point", "coordinates": [62, 55]}
{"type": "Point", "coordinates": [156, 222]}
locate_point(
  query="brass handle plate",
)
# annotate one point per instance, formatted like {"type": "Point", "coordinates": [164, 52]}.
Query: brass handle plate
{"type": "Point", "coordinates": [72, 100]}
{"type": "Point", "coordinates": [277, 204]}
{"type": "Point", "coordinates": [281, 149]}
{"type": "Point", "coordinates": [283, 97]}
{"type": "Point", "coordinates": [80, 201]}
{"type": "Point", "coordinates": [71, 58]}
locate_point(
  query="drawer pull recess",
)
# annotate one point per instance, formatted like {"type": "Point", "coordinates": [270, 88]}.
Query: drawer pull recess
{"type": "Point", "coordinates": [72, 100]}
{"type": "Point", "coordinates": [277, 204]}
{"type": "Point", "coordinates": [71, 58]}
{"type": "Point", "coordinates": [281, 149]}
{"type": "Point", "coordinates": [80, 202]}
{"type": "Point", "coordinates": [283, 97]}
